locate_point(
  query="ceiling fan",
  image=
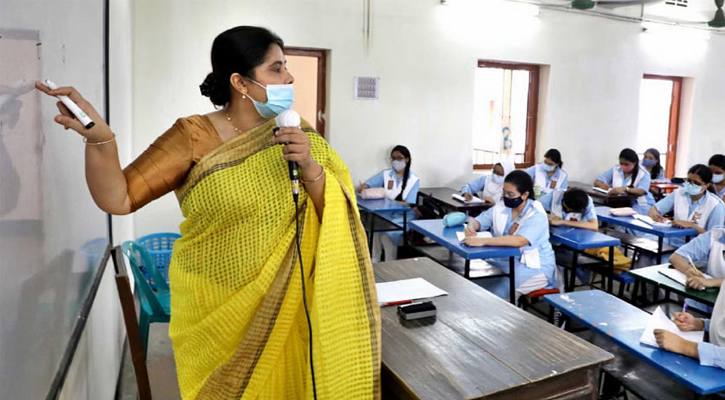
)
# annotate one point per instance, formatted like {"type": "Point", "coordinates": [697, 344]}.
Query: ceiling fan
{"type": "Point", "coordinates": [589, 4]}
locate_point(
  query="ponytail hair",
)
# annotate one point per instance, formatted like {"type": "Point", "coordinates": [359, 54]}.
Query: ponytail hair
{"type": "Point", "coordinates": [657, 168]}
{"type": "Point", "coordinates": [404, 151]}
{"type": "Point", "coordinates": [555, 156]}
{"type": "Point", "coordinates": [631, 156]}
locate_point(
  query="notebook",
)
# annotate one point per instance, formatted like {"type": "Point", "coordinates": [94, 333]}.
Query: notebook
{"type": "Point", "coordinates": [678, 276]}
{"type": "Point", "coordinates": [462, 235]}
{"type": "Point", "coordinates": [659, 320]}
{"type": "Point", "coordinates": [463, 199]}
{"type": "Point", "coordinates": [598, 189]}
{"type": "Point", "coordinates": [646, 219]}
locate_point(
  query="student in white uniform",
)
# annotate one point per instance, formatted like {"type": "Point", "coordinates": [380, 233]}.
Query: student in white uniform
{"type": "Point", "coordinates": [548, 175]}
{"type": "Point", "coordinates": [694, 204]}
{"type": "Point", "coordinates": [717, 165]}
{"type": "Point", "coordinates": [711, 247]}
{"type": "Point", "coordinates": [490, 186]}
{"type": "Point", "coordinates": [517, 221]}
{"type": "Point", "coordinates": [651, 162]}
{"type": "Point", "coordinates": [571, 207]}
{"type": "Point", "coordinates": [628, 177]}
{"type": "Point", "coordinates": [402, 186]}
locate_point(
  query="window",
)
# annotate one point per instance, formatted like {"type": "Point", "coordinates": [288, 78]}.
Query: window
{"type": "Point", "coordinates": [659, 118]}
{"type": "Point", "coordinates": [505, 107]}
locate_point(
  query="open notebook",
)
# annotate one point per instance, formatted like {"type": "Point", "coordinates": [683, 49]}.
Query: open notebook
{"type": "Point", "coordinates": [462, 235]}
{"type": "Point", "coordinates": [649, 221]}
{"type": "Point", "coordinates": [678, 276]}
{"type": "Point", "coordinates": [463, 199]}
{"type": "Point", "coordinates": [659, 320]}
{"type": "Point", "coordinates": [407, 289]}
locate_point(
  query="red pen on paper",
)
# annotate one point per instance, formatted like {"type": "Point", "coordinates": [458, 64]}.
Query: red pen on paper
{"type": "Point", "coordinates": [396, 303]}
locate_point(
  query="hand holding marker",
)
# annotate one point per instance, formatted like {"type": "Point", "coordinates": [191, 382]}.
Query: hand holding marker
{"type": "Point", "coordinates": [72, 106]}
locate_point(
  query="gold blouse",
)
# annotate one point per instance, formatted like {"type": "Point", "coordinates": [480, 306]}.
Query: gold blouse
{"type": "Point", "coordinates": [163, 167]}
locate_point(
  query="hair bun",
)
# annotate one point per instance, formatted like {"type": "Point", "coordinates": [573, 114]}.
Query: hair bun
{"type": "Point", "coordinates": [207, 87]}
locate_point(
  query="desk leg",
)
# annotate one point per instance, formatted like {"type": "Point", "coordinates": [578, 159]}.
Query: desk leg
{"type": "Point", "coordinates": [467, 268]}
{"type": "Point", "coordinates": [687, 239]}
{"type": "Point", "coordinates": [371, 232]}
{"type": "Point", "coordinates": [659, 250]}
{"type": "Point", "coordinates": [610, 275]}
{"type": "Point", "coordinates": [572, 278]}
{"type": "Point", "coordinates": [635, 292]}
{"type": "Point", "coordinates": [405, 228]}
{"type": "Point", "coordinates": [512, 280]}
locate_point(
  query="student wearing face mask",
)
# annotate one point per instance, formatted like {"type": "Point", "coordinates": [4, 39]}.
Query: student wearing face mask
{"type": "Point", "coordinates": [402, 186]}
{"type": "Point", "coordinates": [651, 162]}
{"type": "Point", "coordinates": [694, 204]}
{"type": "Point", "coordinates": [628, 177]}
{"type": "Point", "coordinates": [548, 175]}
{"type": "Point", "coordinates": [490, 186]}
{"type": "Point", "coordinates": [517, 221]}
{"type": "Point", "coordinates": [717, 165]}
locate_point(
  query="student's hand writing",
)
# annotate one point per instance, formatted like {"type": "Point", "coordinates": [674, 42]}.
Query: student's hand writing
{"type": "Point", "coordinates": [475, 241]}
{"type": "Point", "coordinates": [680, 223]}
{"type": "Point", "coordinates": [699, 282]}
{"type": "Point", "coordinates": [488, 199]}
{"type": "Point", "coordinates": [686, 322]}
{"type": "Point", "coordinates": [469, 231]}
{"type": "Point", "coordinates": [618, 190]}
{"type": "Point", "coordinates": [362, 187]}
{"type": "Point", "coordinates": [655, 215]}
{"type": "Point", "coordinates": [467, 196]}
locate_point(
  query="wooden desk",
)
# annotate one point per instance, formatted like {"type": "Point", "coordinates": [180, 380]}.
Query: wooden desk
{"type": "Point", "coordinates": [624, 200]}
{"type": "Point", "coordinates": [479, 346]}
{"type": "Point", "coordinates": [442, 196]}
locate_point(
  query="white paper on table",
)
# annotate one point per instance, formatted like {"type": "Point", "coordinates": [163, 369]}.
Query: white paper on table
{"type": "Point", "coordinates": [407, 289]}
{"type": "Point", "coordinates": [678, 276]}
{"type": "Point", "coordinates": [598, 189]}
{"type": "Point", "coordinates": [463, 199]}
{"type": "Point", "coordinates": [650, 221]}
{"type": "Point", "coordinates": [659, 320]}
{"type": "Point", "coordinates": [484, 234]}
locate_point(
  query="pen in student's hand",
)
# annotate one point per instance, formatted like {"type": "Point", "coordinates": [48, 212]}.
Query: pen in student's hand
{"type": "Point", "coordinates": [684, 308]}
{"type": "Point", "coordinates": [694, 267]}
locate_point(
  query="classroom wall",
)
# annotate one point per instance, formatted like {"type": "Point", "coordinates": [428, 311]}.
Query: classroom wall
{"type": "Point", "coordinates": [425, 54]}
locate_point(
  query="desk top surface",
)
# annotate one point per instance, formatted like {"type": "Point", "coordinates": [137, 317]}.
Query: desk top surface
{"type": "Point", "coordinates": [478, 344]}
{"type": "Point", "coordinates": [624, 324]}
{"type": "Point", "coordinates": [651, 274]}
{"type": "Point", "coordinates": [589, 188]}
{"type": "Point", "coordinates": [380, 205]}
{"type": "Point", "coordinates": [628, 222]}
{"type": "Point", "coordinates": [582, 239]}
{"type": "Point", "coordinates": [446, 237]}
{"type": "Point", "coordinates": [443, 195]}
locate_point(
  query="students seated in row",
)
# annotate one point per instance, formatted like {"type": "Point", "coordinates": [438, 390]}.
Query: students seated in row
{"type": "Point", "coordinates": [402, 186]}
{"type": "Point", "coordinates": [651, 162]}
{"type": "Point", "coordinates": [517, 221]}
{"type": "Point", "coordinates": [548, 175]}
{"type": "Point", "coordinates": [711, 247]}
{"type": "Point", "coordinates": [717, 165]}
{"type": "Point", "coordinates": [571, 207]}
{"type": "Point", "coordinates": [694, 204]}
{"type": "Point", "coordinates": [628, 177]}
{"type": "Point", "coordinates": [491, 186]}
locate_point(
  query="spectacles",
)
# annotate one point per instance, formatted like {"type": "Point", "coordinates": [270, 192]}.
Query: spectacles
{"type": "Point", "coordinates": [688, 180]}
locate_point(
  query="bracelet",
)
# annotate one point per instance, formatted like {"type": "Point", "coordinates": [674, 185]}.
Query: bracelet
{"type": "Point", "coordinates": [318, 176]}
{"type": "Point", "coordinates": [85, 140]}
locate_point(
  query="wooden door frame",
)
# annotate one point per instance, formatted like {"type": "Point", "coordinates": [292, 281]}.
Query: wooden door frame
{"type": "Point", "coordinates": [321, 55]}
{"type": "Point", "coordinates": [674, 123]}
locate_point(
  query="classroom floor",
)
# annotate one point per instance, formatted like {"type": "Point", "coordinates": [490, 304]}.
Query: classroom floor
{"type": "Point", "coordinates": [162, 370]}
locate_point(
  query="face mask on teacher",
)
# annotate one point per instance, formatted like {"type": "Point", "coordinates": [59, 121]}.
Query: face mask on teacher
{"type": "Point", "coordinates": [279, 98]}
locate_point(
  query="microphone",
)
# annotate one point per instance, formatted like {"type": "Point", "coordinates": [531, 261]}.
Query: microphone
{"type": "Point", "coordinates": [287, 119]}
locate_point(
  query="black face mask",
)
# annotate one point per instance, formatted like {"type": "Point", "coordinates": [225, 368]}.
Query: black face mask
{"type": "Point", "coordinates": [512, 203]}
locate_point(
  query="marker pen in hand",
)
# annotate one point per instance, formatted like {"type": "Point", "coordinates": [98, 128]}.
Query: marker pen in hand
{"type": "Point", "coordinates": [72, 106]}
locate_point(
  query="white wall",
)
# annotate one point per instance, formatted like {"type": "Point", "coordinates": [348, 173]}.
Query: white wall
{"type": "Point", "coordinates": [425, 55]}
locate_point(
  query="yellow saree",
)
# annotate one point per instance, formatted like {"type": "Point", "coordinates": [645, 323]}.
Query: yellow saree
{"type": "Point", "coordinates": [238, 324]}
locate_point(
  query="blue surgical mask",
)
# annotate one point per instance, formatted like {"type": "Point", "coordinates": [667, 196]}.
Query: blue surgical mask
{"type": "Point", "coordinates": [648, 163]}
{"type": "Point", "coordinates": [548, 168]}
{"type": "Point", "coordinates": [279, 98]}
{"type": "Point", "coordinates": [398, 165]}
{"type": "Point", "coordinates": [692, 189]}
{"type": "Point", "coordinates": [497, 178]}
{"type": "Point", "coordinates": [717, 178]}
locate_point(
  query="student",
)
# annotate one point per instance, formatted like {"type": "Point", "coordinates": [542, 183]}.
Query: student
{"type": "Point", "coordinates": [694, 204]}
{"type": "Point", "coordinates": [710, 354]}
{"type": "Point", "coordinates": [402, 186]}
{"type": "Point", "coordinates": [628, 177]}
{"type": "Point", "coordinates": [717, 165]}
{"type": "Point", "coordinates": [651, 162]}
{"type": "Point", "coordinates": [492, 186]}
{"type": "Point", "coordinates": [548, 175]}
{"type": "Point", "coordinates": [572, 207]}
{"type": "Point", "coordinates": [708, 248]}
{"type": "Point", "coordinates": [517, 221]}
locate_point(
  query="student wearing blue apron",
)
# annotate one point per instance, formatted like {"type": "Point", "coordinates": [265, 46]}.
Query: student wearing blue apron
{"type": "Point", "coordinates": [628, 177]}
{"type": "Point", "coordinates": [489, 188]}
{"type": "Point", "coordinates": [517, 221]}
{"type": "Point", "coordinates": [711, 247]}
{"type": "Point", "coordinates": [717, 165]}
{"type": "Point", "coordinates": [548, 175]}
{"type": "Point", "coordinates": [694, 204]}
{"type": "Point", "coordinates": [402, 186]}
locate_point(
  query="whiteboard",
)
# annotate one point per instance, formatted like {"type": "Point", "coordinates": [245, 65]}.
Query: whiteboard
{"type": "Point", "coordinates": [52, 236]}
